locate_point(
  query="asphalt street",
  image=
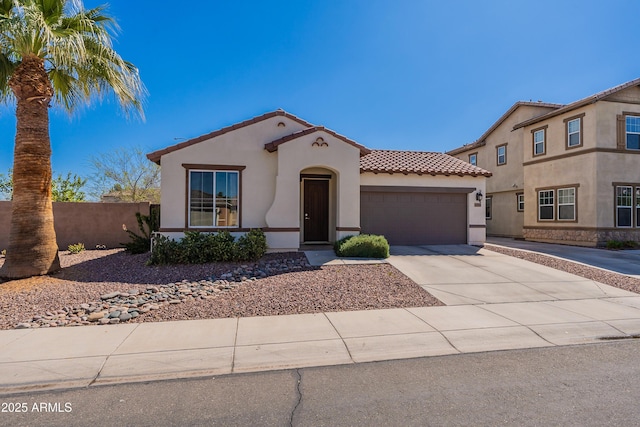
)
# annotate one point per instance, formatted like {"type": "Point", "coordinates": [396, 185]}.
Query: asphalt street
{"type": "Point", "coordinates": [586, 385]}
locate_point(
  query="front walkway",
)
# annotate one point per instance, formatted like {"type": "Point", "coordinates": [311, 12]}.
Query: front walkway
{"type": "Point", "coordinates": [496, 304]}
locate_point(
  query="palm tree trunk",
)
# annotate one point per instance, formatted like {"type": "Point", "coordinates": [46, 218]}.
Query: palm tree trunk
{"type": "Point", "coordinates": [32, 239]}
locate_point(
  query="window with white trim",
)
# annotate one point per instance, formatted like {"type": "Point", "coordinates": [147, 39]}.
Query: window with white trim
{"type": "Point", "coordinates": [566, 204]}
{"type": "Point", "coordinates": [573, 133]}
{"type": "Point", "coordinates": [538, 142]}
{"type": "Point", "coordinates": [633, 132]}
{"type": "Point", "coordinates": [624, 210]}
{"type": "Point", "coordinates": [213, 198]}
{"type": "Point", "coordinates": [501, 154]}
{"type": "Point", "coordinates": [520, 202]}
{"type": "Point", "coordinates": [546, 205]}
{"type": "Point", "coordinates": [473, 159]}
{"type": "Point", "coordinates": [487, 205]}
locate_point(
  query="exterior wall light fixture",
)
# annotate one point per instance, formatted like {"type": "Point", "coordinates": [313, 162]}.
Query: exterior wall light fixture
{"type": "Point", "coordinates": [479, 195]}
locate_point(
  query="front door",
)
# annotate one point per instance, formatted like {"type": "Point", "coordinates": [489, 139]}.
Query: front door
{"type": "Point", "coordinates": [316, 210]}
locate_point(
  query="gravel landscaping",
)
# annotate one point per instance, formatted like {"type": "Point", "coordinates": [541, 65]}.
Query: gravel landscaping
{"type": "Point", "coordinates": [601, 276]}
{"type": "Point", "coordinates": [111, 286]}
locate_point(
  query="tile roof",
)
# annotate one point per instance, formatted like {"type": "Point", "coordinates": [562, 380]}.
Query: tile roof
{"type": "Point", "coordinates": [418, 162]}
{"type": "Point", "coordinates": [156, 155]}
{"type": "Point", "coordinates": [273, 145]}
{"type": "Point", "coordinates": [580, 103]}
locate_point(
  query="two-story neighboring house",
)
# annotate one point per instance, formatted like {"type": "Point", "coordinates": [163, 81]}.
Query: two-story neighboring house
{"type": "Point", "coordinates": [566, 173]}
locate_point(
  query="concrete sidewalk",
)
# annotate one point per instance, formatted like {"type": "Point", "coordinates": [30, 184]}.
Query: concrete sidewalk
{"type": "Point", "coordinates": [564, 310]}
{"type": "Point", "coordinates": [83, 356]}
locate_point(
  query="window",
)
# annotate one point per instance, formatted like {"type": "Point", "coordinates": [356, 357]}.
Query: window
{"type": "Point", "coordinates": [473, 159]}
{"type": "Point", "coordinates": [624, 212]}
{"type": "Point", "coordinates": [633, 132]}
{"type": "Point", "coordinates": [520, 202]}
{"type": "Point", "coordinates": [487, 204]}
{"type": "Point", "coordinates": [213, 198]}
{"type": "Point", "coordinates": [501, 152]}
{"type": "Point", "coordinates": [545, 204]}
{"type": "Point", "coordinates": [566, 204]}
{"type": "Point", "coordinates": [573, 133]}
{"type": "Point", "coordinates": [637, 206]}
{"type": "Point", "coordinates": [538, 142]}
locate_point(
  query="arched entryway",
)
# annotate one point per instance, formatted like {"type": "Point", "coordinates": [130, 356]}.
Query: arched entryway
{"type": "Point", "coordinates": [317, 205]}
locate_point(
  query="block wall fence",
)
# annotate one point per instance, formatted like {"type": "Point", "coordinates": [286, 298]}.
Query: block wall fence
{"type": "Point", "coordinates": [89, 223]}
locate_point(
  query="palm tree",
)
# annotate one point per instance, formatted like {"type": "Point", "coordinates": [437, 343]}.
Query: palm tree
{"type": "Point", "coordinates": [51, 51]}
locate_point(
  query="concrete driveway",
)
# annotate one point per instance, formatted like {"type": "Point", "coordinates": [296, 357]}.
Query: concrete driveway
{"type": "Point", "coordinates": [462, 275]}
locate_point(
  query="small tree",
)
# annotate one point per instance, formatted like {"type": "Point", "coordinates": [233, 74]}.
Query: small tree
{"type": "Point", "coordinates": [127, 174]}
{"type": "Point", "coordinates": [67, 189]}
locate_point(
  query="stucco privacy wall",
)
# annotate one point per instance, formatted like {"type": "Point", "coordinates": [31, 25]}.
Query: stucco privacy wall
{"type": "Point", "coordinates": [476, 232]}
{"type": "Point", "coordinates": [89, 223]}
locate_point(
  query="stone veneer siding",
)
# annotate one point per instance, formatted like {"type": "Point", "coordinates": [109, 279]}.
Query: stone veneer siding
{"type": "Point", "coordinates": [595, 237]}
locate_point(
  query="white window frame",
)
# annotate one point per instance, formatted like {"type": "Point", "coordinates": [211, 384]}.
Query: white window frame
{"type": "Point", "coordinates": [629, 206]}
{"type": "Point", "coordinates": [552, 204]}
{"type": "Point", "coordinates": [503, 155]}
{"type": "Point", "coordinates": [627, 132]}
{"type": "Point", "coordinates": [520, 202]}
{"type": "Point", "coordinates": [214, 200]}
{"type": "Point", "coordinates": [540, 142]}
{"type": "Point", "coordinates": [569, 133]}
{"type": "Point", "coordinates": [562, 201]}
{"type": "Point", "coordinates": [473, 159]}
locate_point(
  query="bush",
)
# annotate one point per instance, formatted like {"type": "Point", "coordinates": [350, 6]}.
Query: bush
{"type": "Point", "coordinates": [617, 244]}
{"type": "Point", "coordinates": [76, 249]}
{"type": "Point", "coordinates": [362, 246]}
{"type": "Point", "coordinates": [140, 243]}
{"type": "Point", "coordinates": [200, 248]}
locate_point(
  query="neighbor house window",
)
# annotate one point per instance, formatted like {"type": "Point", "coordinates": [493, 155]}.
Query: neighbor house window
{"type": "Point", "coordinates": [566, 204]}
{"type": "Point", "coordinates": [546, 204]}
{"type": "Point", "coordinates": [539, 142]}
{"type": "Point", "coordinates": [501, 152]}
{"type": "Point", "coordinates": [633, 132]}
{"type": "Point", "coordinates": [520, 202]}
{"type": "Point", "coordinates": [637, 206]}
{"type": "Point", "coordinates": [487, 204]}
{"type": "Point", "coordinates": [473, 159]}
{"type": "Point", "coordinates": [573, 133]}
{"type": "Point", "coordinates": [213, 198]}
{"type": "Point", "coordinates": [624, 211]}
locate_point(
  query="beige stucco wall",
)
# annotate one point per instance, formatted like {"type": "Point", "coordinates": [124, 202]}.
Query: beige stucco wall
{"type": "Point", "coordinates": [242, 147]}
{"type": "Point", "coordinates": [476, 233]}
{"type": "Point", "coordinates": [270, 182]}
{"type": "Point", "coordinates": [300, 155]}
{"type": "Point", "coordinates": [505, 220]}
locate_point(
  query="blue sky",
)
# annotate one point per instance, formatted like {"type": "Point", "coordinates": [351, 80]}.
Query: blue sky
{"type": "Point", "coordinates": [403, 74]}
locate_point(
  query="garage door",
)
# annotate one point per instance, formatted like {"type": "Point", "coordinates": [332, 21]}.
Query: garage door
{"type": "Point", "coordinates": [414, 218]}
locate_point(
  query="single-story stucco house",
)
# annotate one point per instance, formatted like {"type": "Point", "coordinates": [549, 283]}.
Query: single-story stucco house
{"type": "Point", "coordinates": [303, 184]}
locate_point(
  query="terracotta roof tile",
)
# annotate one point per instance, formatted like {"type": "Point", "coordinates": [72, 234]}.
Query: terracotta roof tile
{"type": "Point", "coordinates": [418, 162]}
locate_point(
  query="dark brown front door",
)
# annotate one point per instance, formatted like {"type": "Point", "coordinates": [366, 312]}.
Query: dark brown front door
{"type": "Point", "coordinates": [316, 210]}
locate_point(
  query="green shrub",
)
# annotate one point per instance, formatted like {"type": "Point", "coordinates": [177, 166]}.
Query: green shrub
{"type": "Point", "coordinates": [199, 248]}
{"type": "Point", "coordinates": [630, 244]}
{"type": "Point", "coordinates": [140, 243]}
{"type": "Point", "coordinates": [362, 246]}
{"type": "Point", "coordinates": [252, 246]}
{"type": "Point", "coordinates": [76, 249]}
{"type": "Point", "coordinates": [614, 244]}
